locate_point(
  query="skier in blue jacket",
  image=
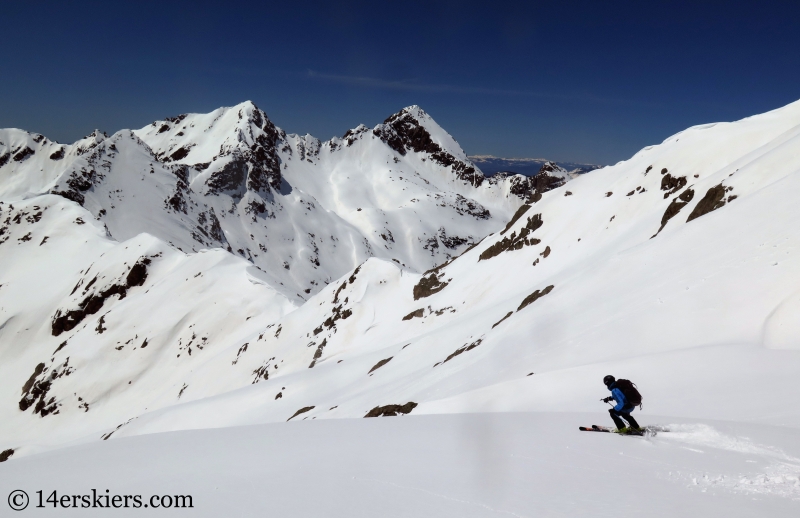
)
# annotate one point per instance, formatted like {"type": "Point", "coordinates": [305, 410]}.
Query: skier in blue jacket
{"type": "Point", "coordinates": [623, 408]}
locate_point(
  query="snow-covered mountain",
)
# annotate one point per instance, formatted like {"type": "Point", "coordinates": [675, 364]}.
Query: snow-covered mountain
{"type": "Point", "coordinates": [303, 211]}
{"type": "Point", "coordinates": [677, 268]}
{"type": "Point", "coordinates": [490, 165]}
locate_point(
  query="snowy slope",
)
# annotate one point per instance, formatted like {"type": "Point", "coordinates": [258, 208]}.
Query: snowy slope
{"type": "Point", "coordinates": [469, 465]}
{"type": "Point", "coordinates": [101, 322]}
{"type": "Point", "coordinates": [677, 268]}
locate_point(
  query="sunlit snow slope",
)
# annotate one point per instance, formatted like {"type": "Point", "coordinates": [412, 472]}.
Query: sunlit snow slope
{"type": "Point", "coordinates": [443, 466]}
{"type": "Point", "coordinates": [677, 268]}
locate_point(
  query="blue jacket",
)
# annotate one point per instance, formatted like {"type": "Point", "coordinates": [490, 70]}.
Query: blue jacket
{"type": "Point", "coordinates": [619, 397]}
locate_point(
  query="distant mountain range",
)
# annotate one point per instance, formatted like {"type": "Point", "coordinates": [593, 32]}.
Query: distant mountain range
{"type": "Point", "coordinates": [490, 165]}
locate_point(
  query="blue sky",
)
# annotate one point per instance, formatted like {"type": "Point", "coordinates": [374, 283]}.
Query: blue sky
{"type": "Point", "coordinates": [590, 81]}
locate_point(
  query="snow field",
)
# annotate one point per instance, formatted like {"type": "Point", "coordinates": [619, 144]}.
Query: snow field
{"type": "Point", "coordinates": [463, 465]}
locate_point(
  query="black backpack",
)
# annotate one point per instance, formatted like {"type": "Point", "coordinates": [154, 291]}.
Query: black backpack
{"type": "Point", "coordinates": [628, 389]}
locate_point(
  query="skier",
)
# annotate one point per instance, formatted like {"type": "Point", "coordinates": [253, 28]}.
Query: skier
{"type": "Point", "coordinates": [623, 408]}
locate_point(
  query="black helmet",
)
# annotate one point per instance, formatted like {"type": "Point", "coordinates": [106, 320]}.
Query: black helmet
{"type": "Point", "coordinates": [608, 380]}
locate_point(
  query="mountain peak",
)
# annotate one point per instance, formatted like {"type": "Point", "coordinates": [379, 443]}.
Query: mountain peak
{"type": "Point", "coordinates": [247, 104]}
{"type": "Point", "coordinates": [89, 142]}
{"type": "Point", "coordinates": [417, 117]}
{"type": "Point", "coordinates": [250, 112]}
{"type": "Point", "coordinates": [413, 130]}
{"type": "Point", "coordinates": [235, 146]}
{"type": "Point", "coordinates": [553, 169]}
{"type": "Point", "coordinates": [415, 111]}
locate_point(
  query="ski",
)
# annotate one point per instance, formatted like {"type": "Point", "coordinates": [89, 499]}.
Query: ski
{"type": "Point", "coordinates": [646, 431]}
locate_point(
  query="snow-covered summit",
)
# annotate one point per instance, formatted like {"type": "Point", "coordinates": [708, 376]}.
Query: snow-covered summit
{"type": "Point", "coordinates": [239, 142]}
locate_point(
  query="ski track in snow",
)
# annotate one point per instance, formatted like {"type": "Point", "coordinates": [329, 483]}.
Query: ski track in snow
{"type": "Point", "coordinates": [780, 475]}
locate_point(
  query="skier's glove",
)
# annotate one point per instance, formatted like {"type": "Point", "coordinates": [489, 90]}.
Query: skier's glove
{"type": "Point", "coordinates": [606, 400]}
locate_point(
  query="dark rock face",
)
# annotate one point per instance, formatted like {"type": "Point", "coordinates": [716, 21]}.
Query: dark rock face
{"type": "Point", "coordinates": [255, 167]}
{"type": "Point", "coordinates": [230, 178]}
{"type": "Point", "coordinates": [391, 410]}
{"type": "Point", "coordinates": [675, 207]}
{"type": "Point", "coordinates": [4, 158]}
{"type": "Point", "coordinates": [417, 313]}
{"type": "Point", "coordinates": [212, 227]}
{"type": "Point", "coordinates": [69, 319]}
{"type": "Point", "coordinates": [514, 241]}
{"type": "Point", "coordinates": [177, 201]}
{"type": "Point", "coordinates": [29, 384]}
{"type": "Point", "coordinates": [22, 154]}
{"type": "Point", "coordinates": [520, 211]}
{"type": "Point", "coordinates": [402, 132]}
{"type": "Point", "coordinates": [138, 274]}
{"type": "Point", "coordinates": [261, 372]}
{"type": "Point", "coordinates": [355, 134]}
{"type": "Point", "coordinates": [83, 180]}
{"type": "Point", "coordinates": [265, 167]}
{"type": "Point", "coordinates": [6, 454]}
{"type": "Point", "coordinates": [427, 286]}
{"type": "Point", "coordinates": [501, 320]}
{"type": "Point", "coordinates": [380, 364]}
{"type": "Point", "coordinates": [337, 314]}
{"type": "Point", "coordinates": [451, 242]}
{"type": "Point", "coordinates": [464, 348]}
{"type": "Point", "coordinates": [180, 153]}
{"type": "Point", "coordinates": [57, 154]}
{"type": "Point", "coordinates": [318, 353]}
{"type": "Point", "coordinates": [255, 208]}
{"type": "Point", "coordinates": [70, 195]}
{"type": "Point", "coordinates": [96, 137]}
{"type": "Point", "coordinates": [463, 171]}
{"type": "Point", "coordinates": [545, 180]}
{"type": "Point", "coordinates": [672, 184]}
{"type": "Point", "coordinates": [432, 244]}
{"type": "Point", "coordinates": [38, 386]}
{"type": "Point", "coordinates": [80, 181]}
{"type": "Point", "coordinates": [521, 186]}
{"type": "Point", "coordinates": [301, 411]}
{"type": "Point", "coordinates": [713, 200]}
{"type": "Point", "coordinates": [533, 297]}
{"type": "Point", "coordinates": [176, 119]}
{"type": "Point", "coordinates": [343, 286]}
{"type": "Point", "coordinates": [466, 206]}
{"type": "Point", "coordinates": [531, 188]}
